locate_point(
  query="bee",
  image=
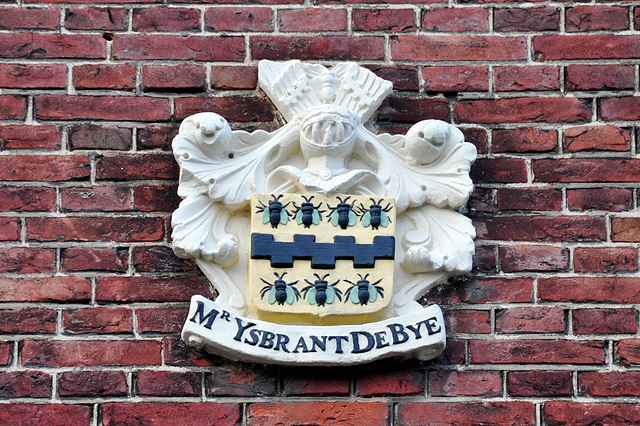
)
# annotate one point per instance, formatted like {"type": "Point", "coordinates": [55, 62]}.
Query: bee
{"type": "Point", "coordinates": [321, 292]}
{"type": "Point", "coordinates": [307, 213]}
{"type": "Point", "coordinates": [375, 216]}
{"type": "Point", "coordinates": [363, 291]}
{"type": "Point", "coordinates": [275, 213]}
{"type": "Point", "coordinates": [280, 291]}
{"type": "Point", "coordinates": [343, 214]}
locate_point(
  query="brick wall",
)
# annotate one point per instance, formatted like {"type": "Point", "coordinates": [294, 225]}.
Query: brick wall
{"type": "Point", "coordinates": [92, 298]}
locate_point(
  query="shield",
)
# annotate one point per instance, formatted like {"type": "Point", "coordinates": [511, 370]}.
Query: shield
{"type": "Point", "coordinates": [321, 260]}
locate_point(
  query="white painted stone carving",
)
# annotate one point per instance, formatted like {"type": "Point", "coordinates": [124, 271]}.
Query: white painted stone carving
{"type": "Point", "coordinates": [325, 148]}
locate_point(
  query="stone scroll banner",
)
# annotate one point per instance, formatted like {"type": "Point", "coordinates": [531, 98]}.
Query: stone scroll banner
{"type": "Point", "coordinates": [218, 330]}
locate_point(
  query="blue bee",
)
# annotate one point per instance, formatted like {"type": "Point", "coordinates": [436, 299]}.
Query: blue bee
{"type": "Point", "coordinates": [275, 213]}
{"type": "Point", "coordinates": [308, 214]}
{"type": "Point", "coordinates": [343, 214]}
{"type": "Point", "coordinates": [363, 291]}
{"type": "Point", "coordinates": [280, 291]}
{"type": "Point", "coordinates": [321, 292]}
{"type": "Point", "coordinates": [375, 216]}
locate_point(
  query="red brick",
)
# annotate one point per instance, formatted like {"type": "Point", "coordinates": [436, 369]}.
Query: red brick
{"type": "Point", "coordinates": [29, 137]}
{"type": "Point", "coordinates": [523, 110]}
{"type": "Point", "coordinates": [559, 47]}
{"type": "Point", "coordinates": [124, 229]}
{"type": "Point", "coordinates": [465, 383]}
{"type": "Point", "coordinates": [170, 414]}
{"type": "Point", "coordinates": [533, 258]}
{"type": "Point", "coordinates": [96, 198]}
{"type": "Point", "coordinates": [98, 320]}
{"type": "Point", "coordinates": [104, 76]}
{"type": "Point", "coordinates": [387, 20]}
{"type": "Point", "coordinates": [605, 259]}
{"type": "Point", "coordinates": [304, 383]}
{"type": "Point", "coordinates": [412, 110]}
{"type": "Point", "coordinates": [156, 137]}
{"type": "Point", "coordinates": [484, 290]}
{"type": "Point", "coordinates": [539, 383]}
{"type": "Point", "coordinates": [586, 170]}
{"type": "Point", "coordinates": [625, 229]}
{"type": "Point", "coordinates": [89, 136]}
{"type": "Point", "coordinates": [231, 108]}
{"type": "Point", "coordinates": [21, 384]}
{"type": "Point", "coordinates": [235, 380]}
{"type": "Point", "coordinates": [92, 383]}
{"type": "Point", "coordinates": [158, 259]}
{"type": "Point", "coordinates": [628, 351]}
{"type": "Point", "coordinates": [456, 20]}
{"type": "Point", "coordinates": [166, 19]}
{"type": "Point", "coordinates": [376, 1]}
{"type": "Point", "coordinates": [542, 228]}
{"type": "Point", "coordinates": [25, 260]}
{"type": "Point", "coordinates": [47, 289]}
{"type": "Point", "coordinates": [18, 76]}
{"type": "Point", "coordinates": [589, 289]}
{"type": "Point", "coordinates": [96, 18]}
{"type": "Point", "coordinates": [485, 259]}
{"type": "Point", "coordinates": [609, 199]}
{"type": "Point", "coordinates": [499, 170]}
{"type": "Point", "coordinates": [12, 107]}
{"type": "Point", "coordinates": [151, 198]}
{"type": "Point", "coordinates": [398, 383]}
{"type": "Point", "coordinates": [481, 200]}
{"type": "Point", "coordinates": [530, 320]}
{"type": "Point", "coordinates": [304, 48]}
{"type": "Point", "coordinates": [88, 353]}
{"type": "Point", "coordinates": [454, 353]}
{"type": "Point", "coordinates": [455, 79]}
{"type": "Point", "coordinates": [53, 168]}
{"type": "Point", "coordinates": [589, 413]}
{"type": "Point", "coordinates": [27, 199]}
{"type": "Point", "coordinates": [161, 320]}
{"type": "Point", "coordinates": [612, 383]}
{"type": "Point", "coordinates": [620, 108]}
{"type": "Point", "coordinates": [518, 78]}
{"type": "Point", "coordinates": [529, 199]}
{"type": "Point", "coordinates": [596, 18]}
{"type": "Point", "coordinates": [39, 46]}
{"type": "Point", "coordinates": [526, 19]}
{"type": "Point", "coordinates": [177, 47]}
{"type": "Point", "coordinates": [177, 353]}
{"type": "Point", "coordinates": [524, 139]}
{"type": "Point", "coordinates": [477, 137]}
{"type": "Point", "coordinates": [136, 167]}
{"type": "Point", "coordinates": [174, 78]}
{"type": "Point", "coordinates": [467, 321]}
{"type": "Point", "coordinates": [537, 352]}
{"type": "Point", "coordinates": [6, 349]}
{"type": "Point", "coordinates": [238, 19]}
{"type": "Point", "coordinates": [65, 107]}
{"type": "Point", "coordinates": [9, 229]}
{"type": "Point", "coordinates": [604, 321]}
{"type": "Point", "coordinates": [228, 77]}
{"type": "Point", "coordinates": [605, 137]}
{"type": "Point", "coordinates": [94, 259]}
{"type": "Point", "coordinates": [20, 18]}
{"type": "Point", "coordinates": [599, 77]}
{"type": "Point", "coordinates": [28, 320]}
{"type": "Point", "coordinates": [143, 289]}
{"type": "Point", "coordinates": [312, 20]}
{"type": "Point", "coordinates": [402, 77]}
{"type": "Point", "coordinates": [168, 383]}
{"type": "Point", "coordinates": [457, 48]}
{"type": "Point", "coordinates": [48, 414]}
{"type": "Point", "coordinates": [466, 413]}
{"type": "Point", "coordinates": [318, 412]}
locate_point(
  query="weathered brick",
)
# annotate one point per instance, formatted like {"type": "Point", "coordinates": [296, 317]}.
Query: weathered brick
{"type": "Point", "coordinates": [98, 320]}
{"type": "Point", "coordinates": [539, 383]}
{"type": "Point", "coordinates": [530, 320]}
{"type": "Point", "coordinates": [455, 79]}
{"type": "Point", "coordinates": [305, 48]}
{"type": "Point", "coordinates": [94, 259]}
{"type": "Point", "coordinates": [143, 289]}
{"type": "Point", "coordinates": [625, 229]}
{"type": "Point", "coordinates": [318, 412]}
{"type": "Point", "coordinates": [628, 351]}
{"type": "Point", "coordinates": [403, 77]}
{"type": "Point", "coordinates": [456, 20]}
{"type": "Point", "coordinates": [136, 167]}
{"type": "Point", "coordinates": [477, 137]}
{"type": "Point", "coordinates": [485, 259]}
{"type": "Point", "coordinates": [605, 259]}
{"type": "Point", "coordinates": [481, 200]}
{"type": "Point", "coordinates": [589, 289]}
{"type": "Point", "coordinates": [104, 76]}
{"type": "Point", "coordinates": [542, 228]}
{"type": "Point", "coordinates": [456, 47]}
{"type": "Point", "coordinates": [25, 260]}
{"type": "Point", "coordinates": [484, 290]}
{"type": "Point", "coordinates": [393, 382]}
{"type": "Point", "coordinates": [21, 384]}
{"type": "Point", "coordinates": [28, 320]}
{"type": "Point", "coordinates": [171, 414]}
{"type": "Point", "coordinates": [312, 20]}
{"type": "Point", "coordinates": [228, 77]}
{"type": "Point", "coordinates": [467, 321]}
{"type": "Point", "coordinates": [527, 19]}
{"type": "Point", "coordinates": [599, 77]}
{"type": "Point", "coordinates": [161, 320]}
{"type": "Point", "coordinates": [9, 229]}
{"type": "Point", "coordinates": [609, 199]}
{"type": "Point", "coordinates": [12, 107]}
{"type": "Point", "coordinates": [537, 352]}
{"type": "Point", "coordinates": [39, 46]}
{"type": "Point", "coordinates": [627, 108]}
{"type": "Point", "coordinates": [238, 19]}
{"type": "Point", "coordinates": [124, 229]}
{"type": "Point", "coordinates": [87, 353]}
{"type": "Point", "coordinates": [604, 321]}
{"type": "Point", "coordinates": [96, 198]}
{"type": "Point", "coordinates": [612, 383]}
{"type": "Point", "coordinates": [524, 139]}
{"type": "Point", "coordinates": [29, 137]}
{"type": "Point", "coordinates": [66, 107]}
{"type": "Point", "coordinates": [47, 289]}
{"type": "Point", "coordinates": [523, 110]}
{"type": "Point", "coordinates": [166, 19]}
{"type": "Point", "coordinates": [518, 78]}
{"type": "Point", "coordinates": [559, 47]}
{"type": "Point", "coordinates": [49, 414]}
{"type": "Point", "coordinates": [529, 199]}
{"type": "Point", "coordinates": [177, 353]}
{"type": "Point", "coordinates": [21, 18]}
{"type": "Point", "coordinates": [96, 18]}
{"type": "Point", "coordinates": [412, 110]}
{"type": "Point", "coordinates": [156, 137]}
{"type": "Point", "coordinates": [589, 413]}
{"type": "Point", "coordinates": [6, 349]}
{"type": "Point", "coordinates": [158, 259]}
{"type": "Point", "coordinates": [152, 198]}
{"type": "Point", "coordinates": [27, 199]}
{"type": "Point", "coordinates": [465, 383]}
{"type": "Point", "coordinates": [173, 78]}
{"type": "Point", "coordinates": [168, 383]}
{"type": "Point", "coordinates": [19, 76]}
{"type": "Point", "coordinates": [605, 137]}
{"type": "Point", "coordinates": [465, 413]}
{"type": "Point", "coordinates": [89, 136]}
{"type": "Point", "coordinates": [499, 170]}
{"type": "Point", "coordinates": [596, 18]}
{"type": "Point", "coordinates": [176, 47]}
{"type": "Point", "coordinates": [386, 20]}
{"type": "Point", "coordinates": [539, 258]}
{"type": "Point", "coordinates": [92, 384]}
{"type": "Point", "coordinates": [231, 108]}
{"type": "Point", "coordinates": [586, 170]}
{"type": "Point", "coordinates": [54, 168]}
{"type": "Point", "coordinates": [234, 380]}
{"type": "Point", "coordinates": [301, 382]}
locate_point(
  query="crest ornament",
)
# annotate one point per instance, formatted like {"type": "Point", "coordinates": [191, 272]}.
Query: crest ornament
{"type": "Point", "coordinates": [320, 237]}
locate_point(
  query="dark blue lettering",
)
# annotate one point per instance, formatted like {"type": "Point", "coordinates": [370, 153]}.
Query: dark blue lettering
{"type": "Point", "coordinates": [282, 341]}
{"type": "Point", "coordinates": [301, 344]}
{"type": "Point", "coordinates": [255, 336]}
{"type": "Point", "coordinates": [339, 340]}
{"type": "Point", "coordinates": [397, 333]}
{"type": "Point", "coordinates": [380, 339]}
{"type": "Point", "coordinates": [356, 342]}
{"type": "Point", "coordinates": [209, 317]}
{"type": "Point", "coordinates": [267, 340]}
{"type": "Point", "coordinates": [242, 328]}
